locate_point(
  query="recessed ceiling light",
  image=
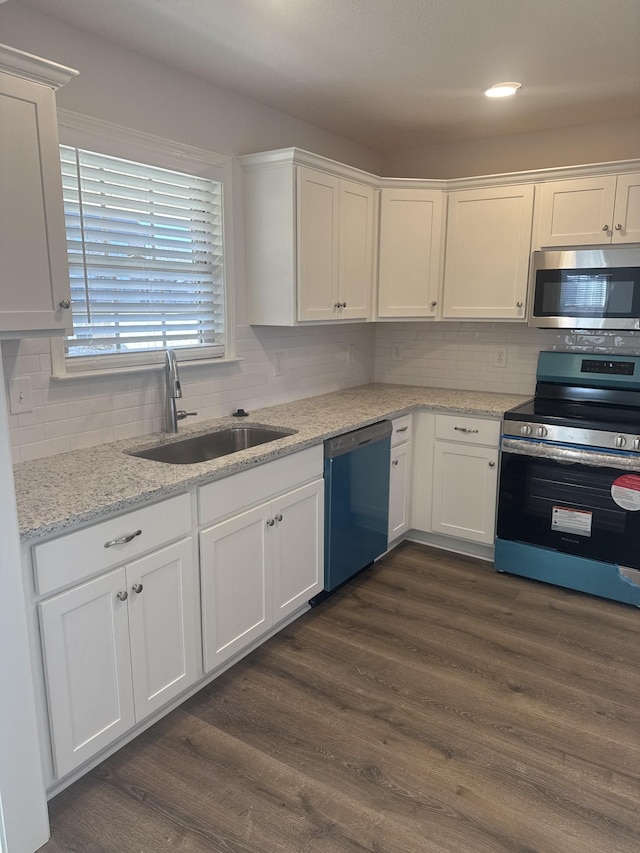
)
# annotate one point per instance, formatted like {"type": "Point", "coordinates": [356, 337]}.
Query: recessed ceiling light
{"type": "Point", "coordinates": [502, 90]}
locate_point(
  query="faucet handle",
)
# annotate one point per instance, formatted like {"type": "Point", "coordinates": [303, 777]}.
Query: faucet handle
{"type": "Point", "coordinates": [181, 414]}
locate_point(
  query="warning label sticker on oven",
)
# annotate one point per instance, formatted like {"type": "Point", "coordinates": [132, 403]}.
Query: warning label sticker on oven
{"type": "Point", "coordinates": [576, 521]}
{"type": "Point", "coordinates": [625, 491]}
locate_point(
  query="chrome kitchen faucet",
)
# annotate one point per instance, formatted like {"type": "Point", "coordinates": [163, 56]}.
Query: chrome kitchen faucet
{"type": "Point", "coordinates": [173, 390]}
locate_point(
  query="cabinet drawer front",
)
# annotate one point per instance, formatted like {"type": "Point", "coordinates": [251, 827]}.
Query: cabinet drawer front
{"type": "Point", "coordinates": [402, 428]}
{"type": "Point", "coordinates": [76, 556]}
{"type": "Point", "coordinates": [249, 488]}
{"type": "Point", "coordinates": [468, 430]}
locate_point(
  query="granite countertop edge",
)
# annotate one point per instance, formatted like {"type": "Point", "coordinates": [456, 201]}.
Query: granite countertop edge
{"type": "Point", "coordinates": [59, 493]}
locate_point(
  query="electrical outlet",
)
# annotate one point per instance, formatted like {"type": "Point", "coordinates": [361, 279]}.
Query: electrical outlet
{"type": "Point", "coordinates": [20, 395]}
{"type": "Point", "coordinates": [278, 363]}
{"type": "Point", "coordinates": [499, 356]}
{"type": "Point", "coordinates": [351, 353]}
{"type": "Point", "coordinates": [396, 352]}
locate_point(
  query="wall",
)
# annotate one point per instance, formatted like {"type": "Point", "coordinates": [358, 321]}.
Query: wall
{"type": "Point", "coordinates": [461, 355]}
{"type": "Point", "coordinates": [122, 87]}
{"type": "Point", "coordinates": [569, 146]}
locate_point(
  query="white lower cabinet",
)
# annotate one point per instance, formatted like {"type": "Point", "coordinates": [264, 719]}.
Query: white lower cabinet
{"type": "Point", "coordinates": [465, 478]}
{"type": "Point", "coordinates": [117, 648]}
{"type": "Point", "coordinates": [261, 550]}
{"type": "Point", "coordinates": [400, 477]}
{"type": "Point", "coordinates": [258, 567]}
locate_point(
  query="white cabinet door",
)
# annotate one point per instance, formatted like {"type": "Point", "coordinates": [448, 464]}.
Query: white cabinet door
{"type": "Point", "coordinates": [399, 490]}
{"type": "Point", "coordinates": [410, 252]}
{"type": "Point", "coordinates": [487, 253]}
{"type": "Point", "coordinates": [297, 538]}
{"type": "Point", "coordinates": [164, 625]}
{"type": "Point", "coordinates": [355, 277]}
{"type": "Point", "coordinates": [464, 491]}
{"type": "Point", "coordinates": [318, 238]}
{"type": "Point", "coordinates": [235, 566]}
{"type": "Point", "coordinates": [85, 638]}
{"type": "Point", "coordinates": [35, 273]}
{"type": "Point", "coordinates": [576, 212]}
{"type": "Point", "coordinates": [626, 214]}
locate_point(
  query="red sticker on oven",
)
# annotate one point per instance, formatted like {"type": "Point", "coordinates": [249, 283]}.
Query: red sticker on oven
{"type": "Point", "coordinates": [625, 491]}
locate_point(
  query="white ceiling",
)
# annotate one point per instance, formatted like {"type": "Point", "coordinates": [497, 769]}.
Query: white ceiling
{"type": "Point", "coordinates": [394, 74]}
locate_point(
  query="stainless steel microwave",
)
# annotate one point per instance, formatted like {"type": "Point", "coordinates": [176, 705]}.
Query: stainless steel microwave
{"type": "Point", "coordinates": [585, 289]}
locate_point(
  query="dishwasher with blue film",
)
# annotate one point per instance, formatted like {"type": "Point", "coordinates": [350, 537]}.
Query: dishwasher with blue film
{"type": "Point", "coordinates": [356, 473]}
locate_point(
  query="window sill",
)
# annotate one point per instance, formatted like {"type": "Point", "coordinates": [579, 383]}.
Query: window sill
{"type": "Point", "coordinates": [142, 368]}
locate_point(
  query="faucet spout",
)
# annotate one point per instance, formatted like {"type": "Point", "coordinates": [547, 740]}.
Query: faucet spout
{"type": "Point", "coordinates": [172, 377]}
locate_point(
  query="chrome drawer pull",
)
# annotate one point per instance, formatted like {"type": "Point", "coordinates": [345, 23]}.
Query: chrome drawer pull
{"type": "Point", "coordinates": [466, 429]}
{"type": "Point", "coordinates": [137, 587]}
{"type": "Point", "coordinates": [122, 595]}
{"type": "Point", "coordinates": [402, 429]}
{"type": "Point", "coordinates": [123, 539]}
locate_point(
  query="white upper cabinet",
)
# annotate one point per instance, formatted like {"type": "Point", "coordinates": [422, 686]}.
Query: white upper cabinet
{"type": "Point", "coordinates": [589, 211]}
{"type": "Point", "coordinates": [410, 259]}
{"type": "Point", "coordinates": [34, 283]}
{"type": "Point", "coordinates": [487, 253]}
{"type": "Point", "coordinates": [355, 250]}
{"type": "Point", "coordinates": [310, 242]}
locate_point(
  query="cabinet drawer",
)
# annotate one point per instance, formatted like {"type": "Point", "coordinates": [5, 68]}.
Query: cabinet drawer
{"type": "Point", "coordinates": [468, 430]}
{"type": "Point", "coordinates": [401, 429]}
{"type": "Point", "coordinates": [249, 488]}
{"type": "Point", "coordinates": [76, 556]}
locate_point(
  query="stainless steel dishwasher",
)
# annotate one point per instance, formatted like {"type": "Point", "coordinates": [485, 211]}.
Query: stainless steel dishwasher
{"type": "Point", "coordinates": [356, 473]}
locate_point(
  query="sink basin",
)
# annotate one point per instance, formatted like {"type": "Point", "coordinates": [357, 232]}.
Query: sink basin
{"type": "Point", "coordinates": [212, 445]}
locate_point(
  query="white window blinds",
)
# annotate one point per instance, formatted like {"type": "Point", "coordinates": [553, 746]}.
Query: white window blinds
{"type": "Point", "coordinates": [145, 257]}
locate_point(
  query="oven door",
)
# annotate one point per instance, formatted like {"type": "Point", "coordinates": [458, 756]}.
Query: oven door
{"type": "Point", "coordinates": [571, 500]}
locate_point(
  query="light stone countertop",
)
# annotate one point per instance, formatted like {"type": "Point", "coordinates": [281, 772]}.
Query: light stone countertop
{"type": "Point", "coordinates": [59, 493]}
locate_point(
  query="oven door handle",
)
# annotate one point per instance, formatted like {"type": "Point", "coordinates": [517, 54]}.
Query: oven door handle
{"type": "Point", "coordinates": [568, 455]}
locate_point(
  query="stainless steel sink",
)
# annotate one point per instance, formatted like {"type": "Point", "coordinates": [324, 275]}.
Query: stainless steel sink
{"type": "Point", "coordinates": [212, 445]}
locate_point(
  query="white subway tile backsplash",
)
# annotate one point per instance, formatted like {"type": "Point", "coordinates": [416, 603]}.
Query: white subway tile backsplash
{"type": "Point", "coordinates": [81, 412]}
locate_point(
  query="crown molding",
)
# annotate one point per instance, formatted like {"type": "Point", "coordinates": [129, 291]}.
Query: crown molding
{"type": "Point", "coordinates": [34, 68]}
{"type": "Point", "coordinates": [299, 157]}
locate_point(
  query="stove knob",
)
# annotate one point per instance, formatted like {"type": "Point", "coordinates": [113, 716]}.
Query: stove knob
{"type": "Point", "coordinates": [525, 430]}
{"type": "Point", "coordinates": [620, 441]}
{"type": "Point", "coordinates": [541, 432]}
{"type": "Point", "coordinates": [636, 443]}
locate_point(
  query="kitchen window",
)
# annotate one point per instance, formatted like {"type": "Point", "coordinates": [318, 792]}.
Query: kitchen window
{"type": "Point", "coordinates": [146, 254]}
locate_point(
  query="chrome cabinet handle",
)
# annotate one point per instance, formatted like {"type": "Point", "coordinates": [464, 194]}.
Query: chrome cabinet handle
{"type": "Point", "coordinates": [433, 304]}
{"type": "Point", "coordinates": [270, 522]}
{"type": "Point", "coordinates": [279, 516]}
{"type": "Point", "coordinates": [618, 227]}
{"type": "Point", "coordinates": [466, 429]}
{"type": "Point", "coordinates": [605, 227]}
{"type": "Point", "coordinates": [395, 461]}
{"type": "Point", "coordinates": [64, 303]}
{"type": "Point", "coordinates": [122, 540]}
{"type": "Point", "coordinates": [122, 595]}
{"type": "Point", "coordinates": [518, 304]}
{"type": "Point", "coordinates": [402, 429]}
{"type": "Point", "coordinates": [137, 587]}
{"type": "Point", "coordinates": [492, 464]}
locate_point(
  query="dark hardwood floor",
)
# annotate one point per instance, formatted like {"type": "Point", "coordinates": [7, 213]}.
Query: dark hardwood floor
{"type": "Point", "coordinates": [432, 705]}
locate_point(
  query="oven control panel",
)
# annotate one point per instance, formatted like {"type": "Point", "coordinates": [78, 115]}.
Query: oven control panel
{"type": "Point", "coordinates": [572, 435]}
{"type": "Point", "coordinates": [600, 365]}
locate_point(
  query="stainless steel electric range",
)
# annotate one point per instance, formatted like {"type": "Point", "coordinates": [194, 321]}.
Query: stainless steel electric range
{"type": "Point", "coordinates": [569, 494]}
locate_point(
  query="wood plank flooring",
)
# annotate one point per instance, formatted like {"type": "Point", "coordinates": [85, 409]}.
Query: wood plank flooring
{"type": "Point", "coordinates": [432, 705]}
